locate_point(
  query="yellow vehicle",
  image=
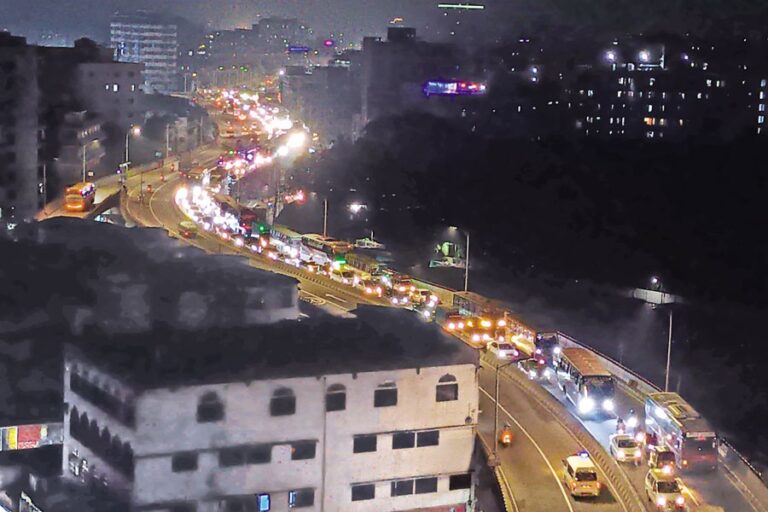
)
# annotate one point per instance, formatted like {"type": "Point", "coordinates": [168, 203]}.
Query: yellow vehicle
{"type": "Point", "coordinates": [188, 229]}
{"type": "Point", "coordinates": [580, 476]}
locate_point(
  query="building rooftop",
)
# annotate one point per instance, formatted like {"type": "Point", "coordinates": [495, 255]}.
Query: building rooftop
{"type": "Point", "coordinates": [377, 339]}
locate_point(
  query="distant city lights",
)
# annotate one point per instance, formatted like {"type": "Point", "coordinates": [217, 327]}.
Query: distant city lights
{"type": "Point", "coordinates": [466, 7]}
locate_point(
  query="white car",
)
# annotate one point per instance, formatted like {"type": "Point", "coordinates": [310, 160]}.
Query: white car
{"type": "Point", "coordinates": [503, 350]}
{"type": "Point", "coordinates": [625, 448]}
{"type": "Point", "coordinates": [664, 490]}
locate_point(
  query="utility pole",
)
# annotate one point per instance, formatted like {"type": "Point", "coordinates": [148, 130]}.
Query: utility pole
{"type": "Point", "coordinates": [466, 266]}
{"type": "Point", "coordinates": [85, 148]}
{"type": "Point", "coordinates": [669, 352]}
{"type": "Point", "coordinates": [167, 140]}
{"type": "Point", "coordinates": [325, 217]}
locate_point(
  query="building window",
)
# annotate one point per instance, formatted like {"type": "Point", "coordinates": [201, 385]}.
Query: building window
{"type": "Point", "coordinates": [463, 481]}
{"type": "Point", "coordinates": [186, 461]}
{"type": "Point", "coordinates": [303, 450]}
{"type": "Point", "coordinates": [447, 389]}
{"type": "Point", "coordinates": [403, 440]}
{"type": "Point", "coordinates": [363, 444]}
{"type": "Point", "coordinates": [115, 87]}
{"type": "Point", "coordinates": [210, 408]}
{"type": "Point", "coordinates": [363, 492]}
{"type": "Point", "coordinates": [760, 119]}
{"type": "Point", "coordinates": [133, 87]}
{"type": "Point", "coordinates": [761, 107]}
{"type": "Point", "coordinates": [428, 438]}
{"type": "Point", "coordinates": [259, 454]}
{"type": "Point", "coordinates": [426, 485]}
{"type": "Point", "coordinates": [283, 403]}
{"type": "Point", "coordinates": [386, 395]}
{"type": "Point", "coordinates": [106, 87]}
{"type": "Point", "coordinates": [336, 398]}
{"type": "Point", "coordinates": [231, 457]}
{"type": "Point", "coordinates": [402, 487]}
{"type": "Point", "coordinates": [301, 498]}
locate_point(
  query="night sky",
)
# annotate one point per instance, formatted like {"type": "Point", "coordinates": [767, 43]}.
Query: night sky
{"type": "Point", "coordinates": [90, 17]}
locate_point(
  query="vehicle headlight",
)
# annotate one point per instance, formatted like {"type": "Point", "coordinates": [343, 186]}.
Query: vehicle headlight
{"type": "Point", "coordinates": [661, 501]}
{"type": "Point", "coordinates": [533, 374]}
{"type": "Point", "coordinates": [679, 501]}
{"type": "Point", "coordinates": [608, 405]}
{"type": "Point", "coordinates": [586, 405]}
{"type": "Point", "coordinates": [547, 373]}
{"type": "Point", "coordinates": [638, 454]}
{"type": "Point", "coordinates": [556, 350]}
{"type": "Point", "coordinates": [394, 300]}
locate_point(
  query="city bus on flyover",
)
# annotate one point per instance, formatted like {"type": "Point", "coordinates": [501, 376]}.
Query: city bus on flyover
{"type": "Point", "coordinates": [683, 430]}
{"type": "Point", "coordinates": [79, 197]}
{"type": "Point", "coordinates": [585, 381]}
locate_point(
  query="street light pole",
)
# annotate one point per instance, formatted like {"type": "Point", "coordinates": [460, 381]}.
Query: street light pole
{"type": "Point", "coordinates": [167, 140]}
{"type": "Point", "coordinates": [325, 217]}
{"type": "Point", "coordinates": [466, 266]}
{"type": "Point", "coordinates": [85, 148]}
{"type": "Point", "coordinates": [669, 352]}
{"type": "Point", "coordinates": [496, 411]}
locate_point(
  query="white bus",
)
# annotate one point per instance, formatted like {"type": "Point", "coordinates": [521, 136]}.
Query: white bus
{"type": "Point", "coordinates": [585, 381]}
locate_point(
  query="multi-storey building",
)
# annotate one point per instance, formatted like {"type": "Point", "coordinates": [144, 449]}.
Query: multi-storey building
{"type": "Point", "coordinates": [145, 38]}
{"type": "Point", "coordinates": [20, 132]}
{"type": "Point", "coordinates": [113, 90]}
{"type": "Point", "coordinates": [366, 414]}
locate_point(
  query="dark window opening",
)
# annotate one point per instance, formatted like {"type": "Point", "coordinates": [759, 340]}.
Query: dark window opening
{"type": "Point", "coordinates": [303, 450]}
{"type": "Point", "coordinates": [447, 389]}
{"type": "Point", "coordinates": [463, 481]}
{"type": "Point", "coordinates": [336, 398]}
{"type": "Point", "coordinates": [426, 485]}
{"type": "Point", "coordinates": [403, 440]}
{"type": "Point", "coordinates": [210, 408]}
{"type": "Point", "coordinates": [385, 396]}
{"type": "Point", "coordinates": [363, 492]}
{"type": "Point", "coordinates": [185, 461]}
{"type": "Point", "coordinates": [283, 403]}
{"type": "Point", "coordinates": [301, 498]}
{"type": "Point", "coordinates": [260, 454]}
{"type": "Point", "coordinates": [402, 488]}
{"type": "Point", "coordinates": [364, 444]}
{"type": "Point", "coordinates": [428, 438]}
{"type": "Point", "coordinates": [231, 457]}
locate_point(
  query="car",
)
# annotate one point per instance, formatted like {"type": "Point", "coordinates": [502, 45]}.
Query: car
{"type": "Point", "coordinates": [535, 369]}
{"type": "Point", "coordinates": [625, 448]}
{"type": "Point", "coordinates": [661, 457]}
{"type": "Point", "coordinates": [343, 276]}
{"type": "Point", "coordinates": [369, 287]}
{"type": "Point", "coordinates": [664, 490]}
{"type": "Point", "coordinates": [580, 476]}
{"type": "Point", "coordinates": [502, 350]}
{"type": "Point", "coordinates": [422, 296]}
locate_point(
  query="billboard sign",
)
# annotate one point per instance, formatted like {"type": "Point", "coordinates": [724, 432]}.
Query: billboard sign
{"type": "Point", "coordinates": [453, 88]}
{"type": "Point", "coordinates": [26, 437]}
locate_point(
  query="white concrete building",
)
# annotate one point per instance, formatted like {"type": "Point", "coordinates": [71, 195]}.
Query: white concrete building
{"type": "Point", "coordinates": [376, 413]}
{"type": "Point", "coordinates": [146, 38]}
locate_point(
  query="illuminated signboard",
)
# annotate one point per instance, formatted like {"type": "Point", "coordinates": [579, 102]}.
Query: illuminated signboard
{"type": "Point", "coordinates": [329, 43]}
{"type": "Point", "coordinates": [299, 49]}
{"type": "Point", "coordinates": [25, 437]}
{"type": "Point", "coordinates": [453, 88]}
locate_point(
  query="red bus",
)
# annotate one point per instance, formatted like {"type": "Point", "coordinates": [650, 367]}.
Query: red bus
{"type": "Point", "coordinates": [79, 197]}
{"type": "Point", "coordinates": [683, 430]}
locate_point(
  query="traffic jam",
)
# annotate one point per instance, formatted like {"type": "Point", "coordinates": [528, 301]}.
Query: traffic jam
{"type": "Point", "coordinates": [665, 440]}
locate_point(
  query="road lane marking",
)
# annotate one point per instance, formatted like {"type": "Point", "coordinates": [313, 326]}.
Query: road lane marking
{"type": "Point", "coordinates": [335, 297]}
{"type": "Point", "coordinates": [538, 448]}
